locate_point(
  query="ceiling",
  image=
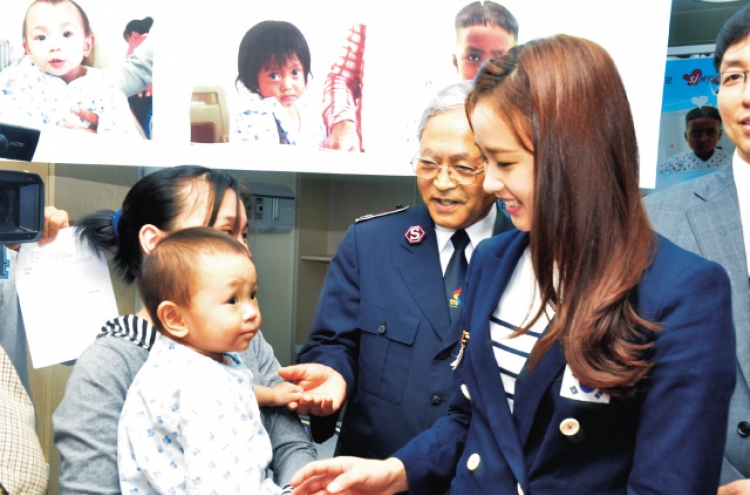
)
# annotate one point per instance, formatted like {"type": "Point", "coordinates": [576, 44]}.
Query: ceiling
{"type": "Point", "coordinates": [697, 23]}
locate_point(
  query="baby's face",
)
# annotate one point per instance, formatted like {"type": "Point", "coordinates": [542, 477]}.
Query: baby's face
{"type": "Point", "coordinates": [223, 315]}
{"type": "Point", "coordinates": [476, 44]}
{"type": "Point", "coordinates": [285, 82]}
{"type": "Point", "coordinates": [56, 39]}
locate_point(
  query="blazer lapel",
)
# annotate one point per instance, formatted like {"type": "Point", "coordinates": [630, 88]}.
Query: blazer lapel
{"type": "Point", "coordinates": [421, 272]}
{"type": "Point", "coordinates": [487, 389]}
{"type": "Point", "coordinates": [532, 384]}
{"type": "Point", "coordinates": [717, 228]}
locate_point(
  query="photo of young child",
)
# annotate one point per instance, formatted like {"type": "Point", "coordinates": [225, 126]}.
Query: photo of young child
{"type": "Point", "coordinates": [51, 85]}
{"type": "Point", "coordinates": [691, 138]}
{"type": "Point", "coordinates": [191, 423]}
{"type": "Point", "coordinates": [703, 130]}
{"type": "Point", "coordinates": [483, 30]}
{"type": "Point", "coordinates": [273, 65]}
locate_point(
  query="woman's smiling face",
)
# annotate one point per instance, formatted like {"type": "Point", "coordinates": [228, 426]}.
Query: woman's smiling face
{"type": "Point", "coordinates": [509, 169]}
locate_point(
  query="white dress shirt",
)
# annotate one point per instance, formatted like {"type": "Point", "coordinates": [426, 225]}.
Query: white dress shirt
{"type": "Point", "coordinates": [477, 233]}
{"type": "Point", "coordinates": [741, 170]}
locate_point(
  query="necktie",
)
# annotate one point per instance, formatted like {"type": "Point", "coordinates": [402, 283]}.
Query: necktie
{"type": "Point", "coordinates": [455, 274]}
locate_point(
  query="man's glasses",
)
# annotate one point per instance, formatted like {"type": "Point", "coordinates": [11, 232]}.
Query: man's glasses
{"type": "Point", "coordinates": [729, 81]}
{"type": "Point", "coordinates": [459, 173]}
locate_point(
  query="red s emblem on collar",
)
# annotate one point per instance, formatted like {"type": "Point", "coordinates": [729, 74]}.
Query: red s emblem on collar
{"type": "Point", "coordinates": [415, 235]}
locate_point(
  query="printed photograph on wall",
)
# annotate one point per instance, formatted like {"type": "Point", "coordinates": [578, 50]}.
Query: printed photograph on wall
{"type": "Point", "coordinates": [356, 82]}
{"type": "Point", "coordinates": [331, 86]}
{"type": "Point", "coordinates": [691, 138]}
{"type": "Point", "coordinates": [77, 66]}
{"type": "Point", "coordinates": [356, 77]}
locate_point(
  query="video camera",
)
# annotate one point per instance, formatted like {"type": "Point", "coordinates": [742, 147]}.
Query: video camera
{"type": "Point", "coordinates": [18, 143]}
{"type": "Point", "coordinates": [21, 193]}
{"type": "Point", "coordinates": [21, 207]}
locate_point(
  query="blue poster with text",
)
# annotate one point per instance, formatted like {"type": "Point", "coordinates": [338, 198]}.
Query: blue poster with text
{"type": "Point", "coordinates": [686, 84]}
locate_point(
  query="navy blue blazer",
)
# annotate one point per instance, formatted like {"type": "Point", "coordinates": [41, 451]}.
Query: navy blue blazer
{"type": "Point", "coordinates": [667, 440]}
{"type": "Point", "coordinates": [382, 321]}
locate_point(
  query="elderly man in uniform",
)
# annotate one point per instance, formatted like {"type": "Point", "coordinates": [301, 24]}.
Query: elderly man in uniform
{"type": "Point", "coordinates": [710, 216]}
{"type": "Point", "coordinates": [388, 322]}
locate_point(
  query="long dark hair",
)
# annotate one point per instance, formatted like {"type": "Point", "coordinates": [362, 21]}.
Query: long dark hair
{"type": "Point", "coordinates": [564, 98]}
{"type": "Point", "coordinates": [157, 199]}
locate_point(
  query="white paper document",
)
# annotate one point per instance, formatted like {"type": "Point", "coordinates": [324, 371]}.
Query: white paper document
{"type": "Point", "coordinates": [66, 296]}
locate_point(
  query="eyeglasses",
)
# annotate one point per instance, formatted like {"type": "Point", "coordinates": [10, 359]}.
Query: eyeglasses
{"type": "Point", "coordinates": [729, 81]}
{"type": "Point", "coordinates": [458, 173]}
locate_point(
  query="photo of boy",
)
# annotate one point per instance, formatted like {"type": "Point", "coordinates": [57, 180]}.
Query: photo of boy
{"type": "Point", "coordinates": [703, 129]}
{"type": "Point", "coordinates": [484, 30]}
{"type": "Point", "coordinates": [191, 421]}
{"type": "Point", "coordinates": [51, 86]}
{"type": "Point", "coordinates": [273, 65]}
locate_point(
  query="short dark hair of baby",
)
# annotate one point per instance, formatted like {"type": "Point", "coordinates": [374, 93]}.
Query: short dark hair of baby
{"type": "Point", "coordinates": [84, 17]}
{"type": "Point", "coordinates": [170, 272]}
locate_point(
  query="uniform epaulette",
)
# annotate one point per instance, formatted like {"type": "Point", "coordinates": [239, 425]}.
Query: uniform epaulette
{"type": "Point", "coordinates": [397, 209]}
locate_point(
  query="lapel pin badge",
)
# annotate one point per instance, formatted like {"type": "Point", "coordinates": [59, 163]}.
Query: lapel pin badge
{"type": "Point", "coordinates": [415, 234]}
{"type": "Point", "coordinates": [462, 345]}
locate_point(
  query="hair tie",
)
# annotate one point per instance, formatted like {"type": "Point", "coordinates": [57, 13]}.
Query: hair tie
{"type": "Point", "coordinates": [116, 223]}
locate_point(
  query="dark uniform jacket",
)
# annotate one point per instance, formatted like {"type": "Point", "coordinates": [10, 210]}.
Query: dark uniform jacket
{"type": "Point", "coordinates": [382, 322]}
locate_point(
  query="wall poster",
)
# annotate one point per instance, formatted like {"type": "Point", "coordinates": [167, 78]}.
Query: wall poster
{"type": "Point", "coordinates": [387, 56]}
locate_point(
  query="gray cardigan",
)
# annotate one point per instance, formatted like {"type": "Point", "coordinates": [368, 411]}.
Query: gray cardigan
{"type": "Point", "coordinates": [86, 421]}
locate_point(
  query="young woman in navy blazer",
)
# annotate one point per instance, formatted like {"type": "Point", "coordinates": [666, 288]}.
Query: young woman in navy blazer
{"type": "Point", "coordinates": [599, 357]}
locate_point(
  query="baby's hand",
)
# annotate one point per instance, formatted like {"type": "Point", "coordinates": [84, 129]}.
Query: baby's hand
{"type": "Point", "coordinates": [279, 395]}
{"type": "Point", "coordinates": [88, 116]}
{"type": "Point", "coordinates": [286, 392]}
